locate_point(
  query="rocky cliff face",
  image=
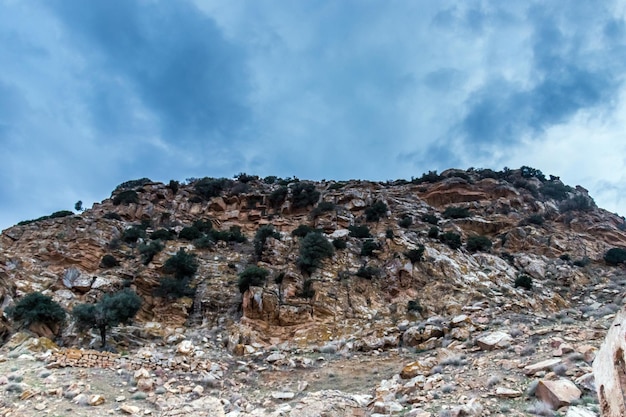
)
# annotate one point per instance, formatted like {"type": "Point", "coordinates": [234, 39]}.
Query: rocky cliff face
{"type": "Point", "coordinates": [537, 228]}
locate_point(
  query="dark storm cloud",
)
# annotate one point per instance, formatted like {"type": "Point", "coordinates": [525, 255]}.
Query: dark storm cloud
{"type": "Point", "coordinates": [564, 79]}
{"type": "Point", "coordinates": [168, 55]}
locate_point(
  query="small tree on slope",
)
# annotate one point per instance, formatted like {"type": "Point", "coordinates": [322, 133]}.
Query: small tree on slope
{"type": "Point", "coordinates": [113, 309]}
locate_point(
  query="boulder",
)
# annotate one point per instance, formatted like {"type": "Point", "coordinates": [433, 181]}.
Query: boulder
{"type": "Point", "coordinates": [557, 393]}
{"type": "Point", "coordinates": [495, 340]}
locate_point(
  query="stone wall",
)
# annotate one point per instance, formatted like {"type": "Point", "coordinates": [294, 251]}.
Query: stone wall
{"type": "Point", "coordinates": [86, 358]}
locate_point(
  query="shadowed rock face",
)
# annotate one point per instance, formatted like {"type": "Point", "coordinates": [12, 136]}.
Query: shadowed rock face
{"type": "Point", "coordinates": [341, 301]}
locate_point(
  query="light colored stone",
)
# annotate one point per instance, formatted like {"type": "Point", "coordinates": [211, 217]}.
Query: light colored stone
{"type": "Point", "coordinates": [185, 348]}
{"type": "Point", "coordinates": [495, 340]}
{"type": "Point", "coordinates": [283, 395]}
{"type": "Point", "coordinates": [504, 392]}
{"type": "Point", "coordinates": [420, 367]}
{"type": "Point", "coordinates": [275, 357]}
{"type": "Point", "coordinates": [130, 409]}
{"type": "Point", "coordinates": [557, 393]}
{"type": "Point", "coordinates": [541, 366]}
{"type": "Point", "coordinates": [96, 399]}
{"type": "Point", "coordinates": [579, 412]}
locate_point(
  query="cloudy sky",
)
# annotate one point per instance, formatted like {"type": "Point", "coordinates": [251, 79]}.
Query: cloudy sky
{"type": "Point", "coordinates": [94, 93]}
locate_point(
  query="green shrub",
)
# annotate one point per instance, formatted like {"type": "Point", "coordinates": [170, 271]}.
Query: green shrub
{"type": "Point", "coordinates": [528, 172]}
{"type": "Point", "coordinates": [112, 216]}
{"type": "Point", "coordinates": [577, 203]}
{"type": "Point", "coordinates": [369, 246]}
{"type": "Point", "coordinates": [133, 184]}
{"type": "Point", "coordinates": [431, 176]}
{"type": "Point", "coordinates": [270, 179]}
{"type": "Point", "coordinates": [277, 197]}
{"type": "Point", "coordinates": [132, 234]}
{"type": "Point", "coordinates": [174, 186]}
{"type": "Point", "coordinates": [204, 242]}
{"type": "Point", "coordinates": [204, 226]}
{"type": "Point", "coordinates": [337, 185]}
{"type": "Point", "coordinates": [323, 207]}
{"type": "Point", "coordinates": [405, 222]}
{"type": "Point", "coordinates": [433, 232]}
{"type": "Point", "coordinates": [389, 233]}
{"type": "Point", "coordinates": [304, 195]}
{"type": "Point", "coordinates": [456, 213]}
{"type": "Point", "coordinates": [261, 236]}
{"type": "Point", "coordinates": [340, 244]}
{"type": "Point", "coordinates": [314, 247]}
{"type": "Point", "coordinates": [125, 198]}
{"type": "Point", "coordinates": [368, 272]}
{"type": "Point", "coordinates": [303, 230]}
{"type": "Point", "coordinates": [453, 240]}
{"type": "Point", "coordinates": [62, 213]}
{"type": "Point", "coordinates": [37, 308]}
{"type": "Point", "coordinates": [565, 257]}
{"type": "Point", "coordinates": [414, 305]}
{"type": "Point", "coordinates": [182, 264]}
{"type": "Point", "coordinates": [524, 281]}
{"type": "Point", "coordinates": [108, 261]}
{"type": "Point", "coordinates": [360, 232]}
{"type": "Point", "coordinates": [111, 310]}
{"type": "Point", "coordinates": [208, 188]}
{"type": "Point", "coordinates": [478, 243]}
{"type": "Point", "coordinates": [415, 255]}
{"type": "Point", "coordinates": [555, 190]}
{"type": "Point", "coordinates": [252, 276]}
{"type": "Point", "coordinates": [615, 256]}
{"type": "Point", "coordinates": [190, 233]}
{"type": "Point", "coordinates": [534, 219]}
{"type": "Point", "coordinates": [148, 251]}
{"type": "Point", "coordinates": [376, 211]}
{"type": "Point", "coordinates": [173, 288]}
{"type": "Point", "coordinates": [163, 234]}
{"type": "Point", "coordinates": [245, 178]}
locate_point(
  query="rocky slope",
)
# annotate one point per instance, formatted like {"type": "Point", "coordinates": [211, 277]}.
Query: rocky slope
{"type": "Point", "coordinates": [359, 306]}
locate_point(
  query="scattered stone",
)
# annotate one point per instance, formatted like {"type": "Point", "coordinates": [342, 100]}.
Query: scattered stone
{"type": "Point", "coordinates": [557, 393]}
{"type": "Point", "coordinates": [96, 399]}
{"type": "Point", "coordinates": [504, 392]}
{"type": "Point", "coordinates": [541, 366]}
{"type": "Point", "coordinates": [40, 406]}
{"type": "Point", "coordinates": [495, 340]}
{"type": "Point", "coordinates": [130, 409]}
{"type": "Point", "coordinates": [579, 412]}
{"type": "Point", "coordinates": [275, 357]}
{"type": "Point", "coordinates": [420, 367]}
{"type": "Point", "coordinates": [283, 396]}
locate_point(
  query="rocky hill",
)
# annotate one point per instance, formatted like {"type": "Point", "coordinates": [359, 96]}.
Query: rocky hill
{"type": "Point", "coordinates": [427, 271]}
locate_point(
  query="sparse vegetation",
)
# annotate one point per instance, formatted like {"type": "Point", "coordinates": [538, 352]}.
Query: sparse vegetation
{"type": "Point", "coordinates": [148, 251]}
{"type": "Point", "coordinates": [360, 232]}
{"type": "Point", "coordinates": [163, 234]}
{"type": "Point", "coordinates": [132, 234]}
{"type": "Point", "coordinates": [304, 195]}
{"type": "Point", "coordinates": [277, 197]}
{"type": "Point", "coordinates": [303, 230]}
{"type": "Point", "coordinates": [376, 211]}
{"type": "Point", "coordinates": [430, 218]}
{"type": "Point", "coordinates": [478, 243]}
{"type": "Point", "coordinates": [453, 240]}
{"type": "Point", "coordinates": [405, 222]}
{"type": "Point", "coordinates": [252, 276]}
{"type": "Point", "coordinates": [208, 188]}
{"type": "Point", "coordinates": [55, 215]}
{"type": "Point", "coordinates": [111, 310]}
{"type": "Point", "coordinates": [433, 232]}
{"type": "Point", "coordinates": [415, 255]}
{"type": "Point", "coordinates": [182, 265]}
{"type": "Point", "coordinates": [314, 247]}
{"type": "Point", "coordinates": [368, 272]}
{"type": "Point", "coordinates": [38, 308]}
{"type": "Point", "coordinates": [524, 281]}
{"type": "Point", "coordinates": [577, 203]}
{"type": "Point", "coordinates": [615, 256]}
{"type": "Point", "coordinates": [125, 198]}
{"type": "Point", "coordinates": [369, 246]}
{"type": "Point", "coordinates": [340, 244]}
{"type": "Point", "coordinates": [261, 236]}
{"type": "Point", "coordinates": [108, 261]}
{"type": "Point", "coordinates": [456, 212]}
{"type": "Point", "coordinates": [173, 288]}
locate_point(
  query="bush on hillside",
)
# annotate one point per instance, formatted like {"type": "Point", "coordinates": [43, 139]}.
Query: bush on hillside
{"type": "Point", "coordinates": [360, 232]}
{"type": "Point", "coordinates": [189, 233]}
{"type": "Point", "coordinates": [430, 218]}
{"type": "Point", "coordinates": [376, 211]}
{"type": "Point", "coordinates": [173, 288]}
{"type": "Point", "coordinates": [369, 246]}
{"type": "Point", "coordinates": [37, 308]}
{"type": "Point", "coordinates": [252, 276]}
{"type": "Point", "coordinates": [415, 255]}
{"type": "Point", "coordinates": [314, 247]}
{"type": "Point", "coordinates": [453, 240]}
{"type": "Point", "coordinates": [433, 232]}
{"type": "Point", "coordinates": [132, 234]}
{"type": "Point", "coordinates": [524, 281]}
{"type": "Point", "coordinates": [277, 197]}
{"type": "Point", "coordinates": [304, 195]}
{"type": "Point", "coordinates": [456, 213]}
{"type": "Point", "coordinates": [303, 230]}
{"type": "Point", "coordinates": [181, 265]}
{"type": "Point", "coordinates": [615, 256]}
{"type": "Point", "coordinates": [208, 188]}
{"type": "Point", "coordinates": [111, 310]}
{"type": "Point", "coordinates": [163, 234]}
{"type": "Point", "coordinates": [108, 261]}
{"type": "Point", "coordinates": [125, 198]}
{"type": "Point", "coordinates": [262, 234]}
{"type": "Point", "coordinates": [405, 222]}
{"type": "Point", "coordinates": [577, 203]}
{"type": "Point", "coordinates": [368, 272]}
{"type": "Point", "coordinates": [148, 251]}
{"type": "Point", "coordinates": [340, 244]}
{"type": "Point", "coordinates": [478, 243]}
